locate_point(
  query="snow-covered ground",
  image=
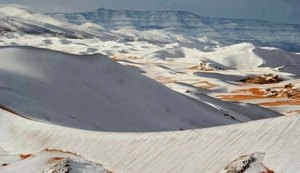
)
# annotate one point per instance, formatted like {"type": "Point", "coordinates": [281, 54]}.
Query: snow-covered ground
{"type": "Point", "coordinates": [93, 92]}
{"type": "Point", "coordinates": [82, 97]}
{"type": "Point", "coordinates": [181, 68]}
{"type": "Point", "coordinates": [205, 150]}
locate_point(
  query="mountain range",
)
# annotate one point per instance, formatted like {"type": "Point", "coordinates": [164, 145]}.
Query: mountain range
{"type": "Point", "coordinates": [226, 31]}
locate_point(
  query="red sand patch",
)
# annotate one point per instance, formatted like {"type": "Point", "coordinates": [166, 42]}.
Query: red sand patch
{"type": "Point", "coordinates": [60, 151]}
{"type": "Point", "coordinates": [25, 156]}
{"type": "Point", "coordinates": [249, 94]}
{"type": "Point", "coordinates": [279, 103]}
{"type": "Point", "coordinates": [268, 171]}
{"type": "Point", "coordinates": [115, 58]}
{"type": "Point", "coordinates": [239, 97]}
{"type": "Point", "coordinates": [204, 85]}
{"type": "Point", "coordinates": [254, 91]}
{"type": "Point", "coordinates": [165, 80]}
{"type": "Point", "coordinates": [54, 159]}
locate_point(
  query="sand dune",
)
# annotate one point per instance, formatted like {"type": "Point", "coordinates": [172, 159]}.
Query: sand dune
{"type": "Point", "coordinates": [206, 150]}
{"type": "Point", "coordinates": [94, 92]}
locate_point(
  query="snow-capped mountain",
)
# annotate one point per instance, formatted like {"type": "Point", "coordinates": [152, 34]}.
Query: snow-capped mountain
{"type": "Point", "coordinates": [228, 31]}
{"type": "Point", "coordinates": [21, 21]}
{"type": "Point", "coordinates": [158, 27]}
{"type": "Point", "coordinates": [141, 20]}
{"type": "Point", "coordinates": [16, 22]}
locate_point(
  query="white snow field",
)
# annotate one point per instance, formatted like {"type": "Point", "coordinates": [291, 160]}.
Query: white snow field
{"type": "Point", "coordinates": [206, 150]}
{"type": "Point", "coordinates": [89, 97]}
{"type": "Point", "coordinates": [94, 92]}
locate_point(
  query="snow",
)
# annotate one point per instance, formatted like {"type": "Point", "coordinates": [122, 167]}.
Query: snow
{"type": "Point", "coordinates": [204, 150]}
{"type": "Point", "coordinates": [156, 61]}
{"type": "Point", "coordinates": [97, 97]}
{"type": "Point", "coordinates": [226, 31]}
{"type": "Point", "coordinates": [93, 92]}
{"type": "Point", "coordinates": [48, 162]}
{"type": "Point", "coordinates": [249, 164]}
{"type": "Point", "coordinates": [25, 22]}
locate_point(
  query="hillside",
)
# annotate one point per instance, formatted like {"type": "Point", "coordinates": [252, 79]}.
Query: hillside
{"type": "Point", "coordinates": [93, 92]}
{"type": "Point", "coordinates": [21, 21]}
{"type": "Point", "coordinates": [271, 144]}
{"type": "Point", "coordinates": [226, 31]}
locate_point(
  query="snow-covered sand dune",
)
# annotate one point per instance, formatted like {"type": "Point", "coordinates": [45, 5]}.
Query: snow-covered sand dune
{"type": "Point", "coordinates": [48, 161]}
{"type": "Point", "coordinates": [94, 92]}
{"type": "Point", "coordinates": [275, 141]}
{"type": "Point", "coordinates": [246, 55]}
{"type": "Point", "coordinates": [174, 63]}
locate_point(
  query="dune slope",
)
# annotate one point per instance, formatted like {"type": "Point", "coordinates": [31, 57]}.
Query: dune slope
{"type": "Point", "coordinates": [94, 92]}
{"type": "Point", "coordinates": [271, 143]}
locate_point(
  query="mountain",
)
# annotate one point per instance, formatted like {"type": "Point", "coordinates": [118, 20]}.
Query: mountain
{"type": "Point", "coordinates": [157, 27]}
{"type": "Point", "coordinates": [141, 20]}
{"type": "Point", "coordinates": [22, 21]}
{"type": "Point", "coordinates": [227, 31]}
{"type": "Point", "coordinates": [260, 33]}
{"type": "Point", "coordinates": [15, 22]}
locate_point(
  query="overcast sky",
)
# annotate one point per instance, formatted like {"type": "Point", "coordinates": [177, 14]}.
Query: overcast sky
{"type": "Point", "coordinates": [273, 10]}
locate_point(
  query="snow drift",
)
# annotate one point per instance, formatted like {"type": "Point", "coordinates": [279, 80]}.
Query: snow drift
{"type": "Point", "coordinates": [93, 92]}
{"type": "Point", "coordinates": [204, 150]}
{"type": "Point", "coordinates": [246, 55]}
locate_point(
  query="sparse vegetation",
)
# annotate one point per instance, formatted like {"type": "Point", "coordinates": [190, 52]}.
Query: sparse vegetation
{"type": "Point", "coordinates": [244, 164]}
{"type": "Point", "coordinates": [61, 166]}
{"type": "Point", "coordinates": [287, 91]}
{"type": "Point", "coordinates": [262, 79]}
{"type": "Point", "coordinates": [205, 66]}
{"type": "Point", "coordinates": [24, 156]}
